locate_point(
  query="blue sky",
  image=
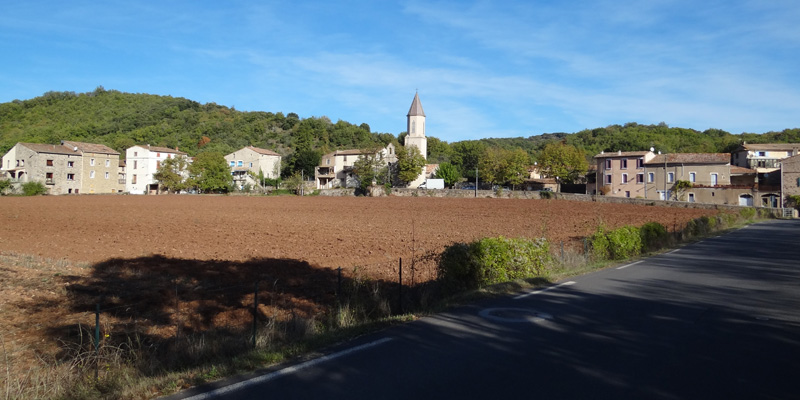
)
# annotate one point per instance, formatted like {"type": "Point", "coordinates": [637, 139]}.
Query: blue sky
{"type": "Point", "coordinates": [482, 68]}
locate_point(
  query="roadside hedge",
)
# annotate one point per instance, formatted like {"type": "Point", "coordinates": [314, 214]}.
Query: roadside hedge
{"type": "Point", "coordinates": [491, 260]}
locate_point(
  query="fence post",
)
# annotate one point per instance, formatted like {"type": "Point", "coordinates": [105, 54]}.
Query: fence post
{"type": "Point", "coordinates": [97, 341]}
{"type": "Point", "coordinates": [400, 290]}
{"type": "Point", "coordinates": [255, 313]}
{"type": "Point", "coordinates": [339, 284]}
{"type": "Point", "coordinates": [562, 251]}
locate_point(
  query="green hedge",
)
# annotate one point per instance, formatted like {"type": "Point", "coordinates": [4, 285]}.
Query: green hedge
{"type": "Point", "coordinates": [618, 244]}
{"type": "Point", "coordinates": [492, 260]}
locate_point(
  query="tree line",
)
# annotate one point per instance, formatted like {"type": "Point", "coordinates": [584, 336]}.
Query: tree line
{"type": "Point", "coordinates": [121, 120]}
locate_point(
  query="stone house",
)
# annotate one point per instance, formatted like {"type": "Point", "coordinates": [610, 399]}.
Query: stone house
{"type": "Point", "coordinates": [141, 162]}
{"type": "Point", "coordinates": [336, 168]}
{"type": "Point", "coordinates": [790, 178]}
{"type": "Point", "coordinates": [252, 160]}
{"type": "Point", "coordinates": [67, 168]}
{"type": "Point", "coordinates": [765, 159]}
{"type": "Point", "coordinates": [622, 174]}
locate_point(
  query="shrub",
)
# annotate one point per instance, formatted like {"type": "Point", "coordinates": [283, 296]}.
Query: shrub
{"type": "Point", "coordinates": [33, 188]}
{"type": "Point", "coordinates": [492, 260]}
{"type": "Point", "coordinates": [5, 184]}
{"type": "Point", "coordinates": [601, 248]}
{"type": "Point", "coordinates": [625, 242]}
{"type": "Point", "coordinates": [654, 236]}
{"type": "Point", "coordinates": [544, 194]}
{"type": "Point", "coordinates": [747, 213]}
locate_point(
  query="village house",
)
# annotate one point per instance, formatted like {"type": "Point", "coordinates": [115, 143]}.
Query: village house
{"type": "Point", "coordinates": [711, 178]}
{"type": "Point", "coordinates": [246, 163]}
{"type": "Point", "coordinates": [142, 161]}
{"type": "Point", "coordinates": [336, 168]}
{"type": "Point", "coordinates": [67, 168]}
{"type": "Point", "coordinates": [622, 174]}
{"type": "Point", "coordinates": [790, 178]}
{"type": "Point", "coordinates": [765, 159]}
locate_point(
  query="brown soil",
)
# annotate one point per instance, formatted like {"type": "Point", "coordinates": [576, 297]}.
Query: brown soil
{"type": "Point", "coordinates": [180, 264]}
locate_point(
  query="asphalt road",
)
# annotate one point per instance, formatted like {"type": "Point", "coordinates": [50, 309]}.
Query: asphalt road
{"type": "Point", "coordinates": [718, 319]}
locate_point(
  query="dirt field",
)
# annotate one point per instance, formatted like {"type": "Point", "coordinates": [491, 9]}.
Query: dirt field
{"type": "Point", "coordinates": [163, 261]}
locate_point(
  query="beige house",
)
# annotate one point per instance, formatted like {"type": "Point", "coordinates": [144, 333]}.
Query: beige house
{"type": "Point", "coordinates": [712, 179]}
{"type": "Point", "coordinates": [622, 174]}
{"type": "Point", "coordinates": [68, 168]}
{"type": "Point", "coordinates": [100, 168]}
{"type": "Point", "coordinates": [141, 162]}
{"type": "Point", "coordinates": [251, 159]}
{"type": "Point", "coordinates": [764, 158]}
{"type": "Point", "coordinates": [336, 169]}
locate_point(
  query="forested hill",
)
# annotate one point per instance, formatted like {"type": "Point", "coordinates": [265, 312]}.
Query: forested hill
{"type": "Point", "coordinates": [121, 120]}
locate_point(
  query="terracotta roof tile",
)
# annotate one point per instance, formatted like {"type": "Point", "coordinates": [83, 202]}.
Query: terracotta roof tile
{"type": "Point", "coordinates": [736, 170]}
{"type": "Point", "coordinates": [50, 148]}
{"type": "Point", "coordinates": [622, 154]}
{"type": "Point", "coordinates": [263, 151]}
{"type": "Point", "coordinates": [769, 146]}
{"type": "Point", "coordinates": [90, 147]}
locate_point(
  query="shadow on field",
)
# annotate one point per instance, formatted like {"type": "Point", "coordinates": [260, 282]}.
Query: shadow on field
{"type": "Point", "coordinates": [184, 312]}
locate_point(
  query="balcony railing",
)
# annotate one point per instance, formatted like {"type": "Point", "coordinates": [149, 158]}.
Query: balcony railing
{"type": "Point", "coordinates": [121, 181]}
{"type": "Point", "coordinates": [50, 181]}
{"type": "Point", "coordinates": [764, 163]}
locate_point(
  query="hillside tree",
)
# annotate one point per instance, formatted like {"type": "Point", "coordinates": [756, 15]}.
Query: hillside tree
{"type": "Point", "coordinates": [563, 161]}
{"type": "Point", "coordinates": [209, 173]}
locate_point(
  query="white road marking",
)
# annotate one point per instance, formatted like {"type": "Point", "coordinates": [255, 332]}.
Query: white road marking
{"type": "Point", "coordinates": [630, 265]}
{"type": "Point", "coordinates": [544, 290]}
{"type": "Point", "coordinates": [285, 371]}
{"type": "Point", "coordinates": [674, 251]}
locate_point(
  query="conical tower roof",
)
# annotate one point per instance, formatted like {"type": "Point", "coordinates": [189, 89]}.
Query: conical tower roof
{"type": "Point", "coordinates": [416, 107]}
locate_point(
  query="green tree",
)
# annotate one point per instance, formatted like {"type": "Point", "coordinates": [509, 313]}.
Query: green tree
{"type": "Point", "coordinates": [491, 165]}
{"type": "Point", "coordinates": [449, 173]}
{"type": "Point", "coordinates": [294, 183]}
{"type": "Point", "coordinates": [33, 188]}
{"type": "Point", "coordinates": [170, 174]}
{"type": "Point", "coordinates": [210, 173]}
{"type": "Point", "coordinates": [516, 166]}
{"type": "Point", "coordinates": [302, 160]}
{"type": "Point", "coordinates": [5, 184]}
{"type": "Point", "coordinates": [366, 169]}
{"type": "Point", "coordinates": [466, 156]}
{"type": "Point", "coordinates": [409, 164]}
{"type": "Point", "coordinates": [559, 160]}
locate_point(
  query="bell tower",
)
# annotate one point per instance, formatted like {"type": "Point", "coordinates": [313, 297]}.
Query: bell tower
{"type": "Point", "coordinates": [416, 127]}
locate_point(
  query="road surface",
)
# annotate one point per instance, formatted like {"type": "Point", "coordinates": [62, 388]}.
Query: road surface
{"type": "Point", "coordinates": [717, 319]}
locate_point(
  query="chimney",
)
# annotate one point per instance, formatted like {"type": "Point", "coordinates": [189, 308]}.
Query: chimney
{"type": "Point", "coordinates": [619, 152]}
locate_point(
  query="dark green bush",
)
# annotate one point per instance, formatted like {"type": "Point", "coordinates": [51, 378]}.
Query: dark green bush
{"type": "Point", "coordinates": [33, 188]}
{"type": "Point", "coordinates": [654, 236]}
{"type": "Point", "coordinates": [601, 248]}
{"type": "Point", "coordinates": [491, 260]}
{"type": "Point", "coordinates": [748, 213]}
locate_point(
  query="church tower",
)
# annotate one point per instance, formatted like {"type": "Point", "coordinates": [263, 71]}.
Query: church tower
{"type": "Point", "coordinates": [416, 135]}
{"type": "Point", "coordinates": [416, 127]}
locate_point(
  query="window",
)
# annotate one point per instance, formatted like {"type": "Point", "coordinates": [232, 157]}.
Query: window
{"type": "Point", "coordinates": [251, 165]}
{"type": "Point", "coordinates": [640, 178]}
{"type": "Point", "coordinates": [158, 155]}
{"type": "Point", "coordinates": [233, 163]}
{"type": "Point", "coordinates": [714, 179]}
{"type": "Point", "coordinates": [639, 162]}
{"type": "Point", "coordinates": [108, 163]}
{"type": "Point", "coordinates": [623, 164]}
{"type": "Point", "coordinates": [691, 197]}
{"type": "Point", "coordinates": [135, 163]}
{"type": "Point", "coordinates": [106, 174]}
{"type": "Point", "coordinates": [91, 162]}
{"type": "Point", "coordinates": [158, 164]}
{"type": "Point", "coordinates": [240, 163]}
{"type": "Point", "coordinates": [133, 181]}
{"type": "Point", "coordinates": [624, 179]}
{"type": "Point", "coordinates": [651, 176]}
{"type": "Point", "coordinates": [608, 163]}
{"type": "Point", "coordinates": [91, 174]}
{"type": "Point", "coordinates": [670, 177]}
{"type": "Point", "coordinates": [135, 153]}
{"type": "Point", "coordinates": [328, 161]}
{"type": "Point", "coordinates": [761, 154]}
{"type": "Point", "coordinates": [70, 164]}
{"type": "Point", "coordinates": [345, 158]}
{"type": "Point", "coordinates": [798, 182]}
{"type": "Point", "coordinates": [49, 177]}
{"type": "Point", "coordinates": [70, 177]}
{"type": "Point", "coordinates": [608, 179]}
{"type": "Point", "coordinates": [49, 163]}
{"type": "Point", "coordinates": [627, 193]}
{"type": "Point", "coordinates": [692, 177]}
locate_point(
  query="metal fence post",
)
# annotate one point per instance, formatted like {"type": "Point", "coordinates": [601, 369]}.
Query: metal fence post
{"type": "Point", "coordinates": [339, 284]}
{"type": "Point", "coordinates": [255, 313]}
{"type": "Point", "coordinates": [400, 290]}
{"type": "Point", "coordinates": [97, 341]}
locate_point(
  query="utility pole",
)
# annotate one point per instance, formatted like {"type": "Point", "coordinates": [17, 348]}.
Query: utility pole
{"type": "Point", "coordinates": [476, 181]}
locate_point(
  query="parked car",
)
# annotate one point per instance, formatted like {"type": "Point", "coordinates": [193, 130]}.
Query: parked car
{"type": "Point", "coordinates": [468, 187]}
